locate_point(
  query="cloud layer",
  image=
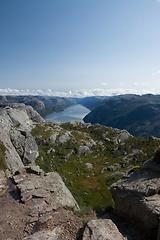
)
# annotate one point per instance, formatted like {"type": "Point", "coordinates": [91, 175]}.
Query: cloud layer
{"type": "Point", "coordinates": [77, 93]}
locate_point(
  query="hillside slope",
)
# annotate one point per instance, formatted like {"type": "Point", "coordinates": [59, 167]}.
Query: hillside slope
{"type": "Point", "coordinates": [91, 102]}
{"type": "Point", "coordinates": [140, 115]}
{"type": "Point", "coordinates": [44, 105]}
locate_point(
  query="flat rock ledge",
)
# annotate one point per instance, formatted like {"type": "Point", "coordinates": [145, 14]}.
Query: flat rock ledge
{"type": "Point", "coordinates": [137, 199]}
{"type": "Point", "coordinates": [48, 189]}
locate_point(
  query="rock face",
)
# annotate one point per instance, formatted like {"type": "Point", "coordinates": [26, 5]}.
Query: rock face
{"type": "Point", "coordinates": [25, 146]}
{"type": "Point", "coordinates": [103, 229]}
{"type": "Point", "coordinates": [137, 198]}
{"type": "Point", "coordinates": [20, 114]}
{"type": "Point", "coordinates": [12, 159]}
{"type": "Point", "coordinates": [16, 122]}
{"type": "Point", "coordinates": [48, 188]}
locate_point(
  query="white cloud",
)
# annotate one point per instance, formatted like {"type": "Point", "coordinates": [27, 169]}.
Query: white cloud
{"type": "Point", "coordinates": [105, 84]}
{"type": "Point", "coordinates": [140, 84]}
{"type": "Point", "coordinates": [158, 72]}
{"type": "Point", "coordinates": [122, 84]}
{"type": "Point", "coordinates": [79, 93]}
{"type": "Point", "coordinates": [158, 0]}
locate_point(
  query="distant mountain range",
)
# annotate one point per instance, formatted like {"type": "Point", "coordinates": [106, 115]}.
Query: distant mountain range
{"type": "Point", "coordinates": [91, 102]}
{"type": "Point", "coordinates": [140, 115]}
{"type": "Point", "coordinates": [44, 105]}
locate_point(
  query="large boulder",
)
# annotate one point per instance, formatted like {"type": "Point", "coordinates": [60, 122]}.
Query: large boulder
{"type": "Point", "coordinates": [48, 187]}
{"type": "Point", "coordinates": [137, 198]}
{"type": "Point", "coordinates": [103, 229]}
{"type": "Point", "coordinates": [84, 150]}
{"type": "Point", "coordinates": [65, 137]}
{"type": "Point", "coordinates": [123, 136]}
{"type": "Point", "coordinates": [25, 146]}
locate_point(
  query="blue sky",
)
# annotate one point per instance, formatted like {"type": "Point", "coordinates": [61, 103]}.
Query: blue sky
{"type": "Point", "coordinates": [85, 47]}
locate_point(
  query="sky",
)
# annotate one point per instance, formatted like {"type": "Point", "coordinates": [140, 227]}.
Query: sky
{"type": "Point", "coordinates": [79, 47]}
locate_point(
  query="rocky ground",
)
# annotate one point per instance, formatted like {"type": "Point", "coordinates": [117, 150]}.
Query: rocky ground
{"type": "Point", "coordinates": [17, 223]}
{"type": "Point", "coordinates": [15, 218]}
{"type": "Point", "coordinates": [140, 193]}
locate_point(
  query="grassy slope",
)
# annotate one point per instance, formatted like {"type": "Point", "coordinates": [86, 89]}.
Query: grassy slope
{"type": "Point", "coordinates": [90, 187]}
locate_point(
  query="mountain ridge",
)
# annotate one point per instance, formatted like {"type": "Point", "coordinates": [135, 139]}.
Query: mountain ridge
{"type": "Point", "coordinates": [140, 115]}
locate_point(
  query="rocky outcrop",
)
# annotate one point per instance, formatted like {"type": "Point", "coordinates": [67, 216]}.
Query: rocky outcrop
{"type": "Point", "coordinates": [12, 159]}
{"type": "Point", "coordinates": [84, 150]}
{"type": "Point", "coordinates": [103, 229]}
{"type": "Point", "coordinates": [20, 114]}
{"type": "Point", "coordinates": [16, 122]}
{"type": "Point", "coordinates": [122, 137]}
{"type": "Point", "coordinates": [137, 198]}
{"type": "Point", "coordinates": [25, 146]}
{"type": "Point", "coordinates": [48, 188]}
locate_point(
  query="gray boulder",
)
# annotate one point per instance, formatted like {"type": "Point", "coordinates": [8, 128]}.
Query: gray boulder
{"type": "Point", "coordinates": [25, 146]}
{"type": "Point", "coordinates": [114, 167]}
{"type": "Point", "coordinates": [89, 166]}
{"type": "Point", "coordinates": [137, 198]}
{"type": "Point", "coordinates": [89, 143]}
{"type": "Point", "coordinates": [49, 188]}
{"type": "Point", "coordinates": [30, 150]}
{"type": "Point", "coordinates": [84, 150]}
{"type": "Point", "coordinates": [123, 136]}
{"type": "Point", "coordinates": [53, 137]}
{"type": "Point", "coordinates": [115, 141]}
{"type": "Point", "coordinates": [18, 141]}
{"type": "Point", "coordinates": [103, 229]}
{"type": "Point", "coordinates": [65, 137]}
{"type": "Point", "coordinates": [45, 235]}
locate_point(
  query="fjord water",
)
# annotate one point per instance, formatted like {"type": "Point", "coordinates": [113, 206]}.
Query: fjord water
{"type": "Point", "coordinates": [73, 113]}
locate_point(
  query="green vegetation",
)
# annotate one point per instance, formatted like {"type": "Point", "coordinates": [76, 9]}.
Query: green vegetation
{"type": "Point", "coordinates": [42, 131]}
{"type": "Point", "coordinates": [89, 186]}
{"type": "Point", "coordinates": [2, 156]}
